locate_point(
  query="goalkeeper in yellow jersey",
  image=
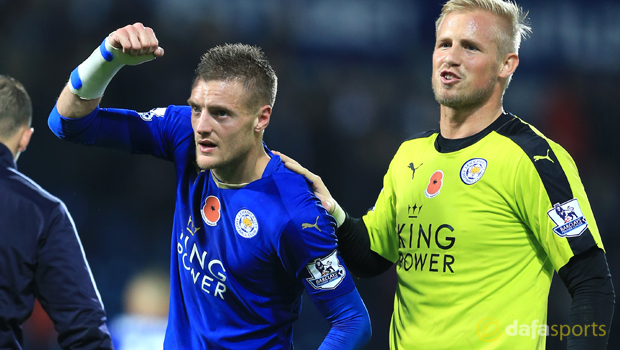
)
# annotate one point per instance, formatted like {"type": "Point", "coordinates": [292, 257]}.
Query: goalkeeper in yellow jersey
{"type": "Point", "coordinates": [478, 214]}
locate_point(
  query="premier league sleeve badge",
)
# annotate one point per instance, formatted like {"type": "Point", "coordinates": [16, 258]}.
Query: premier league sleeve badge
{"type": "Point", "coordinates": [568, 218]}
{"type": "Point", "coordinates": [326, 273]}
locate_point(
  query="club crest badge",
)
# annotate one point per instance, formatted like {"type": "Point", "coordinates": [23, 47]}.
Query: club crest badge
{"type": "Point", "coordinates": [156, 112]}
{"type": "Point", "coordinates": [246, 224]}
{"type": "Point", "coordinates": [326, 273]}
{"type": "Point", "coordinates": [211, 211]}
{"type": "Point", "coordinates": [568, 219]}
{"type": "Point", "coordinates": [434, 184]}
{"type": "Point", "coordinates": [473, 170]}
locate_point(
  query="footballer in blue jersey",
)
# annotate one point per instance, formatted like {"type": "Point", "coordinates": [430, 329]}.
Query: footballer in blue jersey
{"type": "Point", "coordinates": [249, 236]}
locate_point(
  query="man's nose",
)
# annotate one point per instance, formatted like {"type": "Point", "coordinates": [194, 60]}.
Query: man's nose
{"type": "Point", "coordinates": [453, 56]}
{"type": "Point", "coordinates": [204, 123]}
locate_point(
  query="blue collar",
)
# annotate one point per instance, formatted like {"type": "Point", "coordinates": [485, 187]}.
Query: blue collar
{"type": "Point", "coordinates": [273, 163]}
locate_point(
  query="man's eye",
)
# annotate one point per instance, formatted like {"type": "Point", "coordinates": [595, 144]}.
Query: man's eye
{"type": "Point", "coordinates": [195, 109]}
{"type": "Point", "coordinates": [471, 48]}
{"type": "Point", "coordinates": [221, 113]}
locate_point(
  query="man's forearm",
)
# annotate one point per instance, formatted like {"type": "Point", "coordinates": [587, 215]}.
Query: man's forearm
{"type": "Point", "coordinates": [349, 320]}
{"type": "Point", "coordinates": [70, 105]}
{"type": "Point", "coordinates": [589, 282]}
{"type": "Point", "coordinates": [130, 45]}
{"type": "Point", "coordinates": [354, 247]}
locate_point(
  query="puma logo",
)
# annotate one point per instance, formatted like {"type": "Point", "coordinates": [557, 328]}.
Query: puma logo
{"type": "Point", "coordinates": [305, 226]}
{"type": "Point", "coordinates": [413, 169]}
{"type": "Point", "coordinates": [537, 158]}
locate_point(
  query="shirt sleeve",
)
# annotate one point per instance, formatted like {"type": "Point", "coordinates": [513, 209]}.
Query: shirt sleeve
{"type": "Point", "coordinates": [314, 259]}
{"type": "Point", "coordinates": [349, 320]}
{"type": "Point", "coordinates": [380, 221]}
{"type": "Point", "coordinates": [65, 287]}
{"type": "Point", "coordinates": [552, 201]}
{"type": "Point", "coordinates": [354, 245]}
{"type": "Point", "coordinates": [157, 132]}
{"type": "Point", "coordinates": [308, 249]}
{"type": "Point", "coordinates": [588, 281]}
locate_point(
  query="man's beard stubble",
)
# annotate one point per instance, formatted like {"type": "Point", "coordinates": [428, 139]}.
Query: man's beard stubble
{"type": "Point", "coordinates": [464, 100]}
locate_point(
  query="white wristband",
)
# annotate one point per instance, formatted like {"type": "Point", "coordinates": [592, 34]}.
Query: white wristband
{"type": "Point", "coordinates": [90, 78]}
{"type": "Point", "coordinates": [338, 214]}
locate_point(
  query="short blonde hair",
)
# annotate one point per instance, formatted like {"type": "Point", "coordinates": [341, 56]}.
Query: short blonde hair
{"type": "Point", "coordinates": [508, 40]}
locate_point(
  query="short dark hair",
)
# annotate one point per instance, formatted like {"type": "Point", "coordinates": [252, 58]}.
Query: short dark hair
{"type": "Point", "coordinates": [15, 106]}
{"type": "Point", "coordinates": [244, 63]}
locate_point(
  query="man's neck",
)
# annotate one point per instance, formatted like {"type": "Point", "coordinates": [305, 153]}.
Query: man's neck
{"type": "Point", "coordinates": [12, 144]}
{"type": "Point", "coordinates": [248, 170]}
{"type": "Point", "coordinates": [461, 123]}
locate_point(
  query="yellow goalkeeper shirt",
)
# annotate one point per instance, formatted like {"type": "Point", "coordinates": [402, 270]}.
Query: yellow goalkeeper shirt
{"type": "Point", "coordinates": [476, 233]}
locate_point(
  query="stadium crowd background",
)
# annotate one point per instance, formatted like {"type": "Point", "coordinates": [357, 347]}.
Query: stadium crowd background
{"type": "Point", "coordinates": [354, 79]}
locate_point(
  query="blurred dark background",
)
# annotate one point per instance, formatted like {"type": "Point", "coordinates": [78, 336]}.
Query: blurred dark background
{"type": "Point", "coordinates": [354, 80]}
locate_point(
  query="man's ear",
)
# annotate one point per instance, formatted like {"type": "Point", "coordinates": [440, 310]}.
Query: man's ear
{"type": "Point", "coordinates": [24, 139]}
{"type": "Point", "coordinates": [510, 64]}
{"type": "Point", "coordinates": [262, 120]}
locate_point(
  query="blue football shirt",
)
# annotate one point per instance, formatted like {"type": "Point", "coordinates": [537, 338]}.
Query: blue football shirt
{"type": "Point", "coordinates": [241, 256]}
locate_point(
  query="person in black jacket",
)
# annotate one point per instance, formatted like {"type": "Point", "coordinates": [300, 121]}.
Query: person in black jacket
{"type": "Point", "coordinates": [41, 255]}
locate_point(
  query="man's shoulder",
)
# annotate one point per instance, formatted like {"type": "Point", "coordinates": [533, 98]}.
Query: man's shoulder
{"type": "Point", "coordinates": [290, 183]}
{"type": "Point", "coordinates": [304, 210]}
{"type": "Point", "coordinates": [171, 111]}
{"type": "Point", "coordinates": [528, 138]}
{"type": "Point", "coordinates": [294, 190]}
{"type": "Point", "coordinates": [422, 135]}
{"type": "Point", "coordinates": [417, 139]}
{"type": "Point", "coordinates": [181, 110]}
{"type": "Point", "coordinates": [21, 189]}
{"type": "Point", "coordinates": [416, 144]}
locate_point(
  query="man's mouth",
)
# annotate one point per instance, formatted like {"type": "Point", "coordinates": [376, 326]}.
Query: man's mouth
{"type": "Point", "coordinates": [449, 77]}
{"type": "Point", "coordinates": [206, 146]}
